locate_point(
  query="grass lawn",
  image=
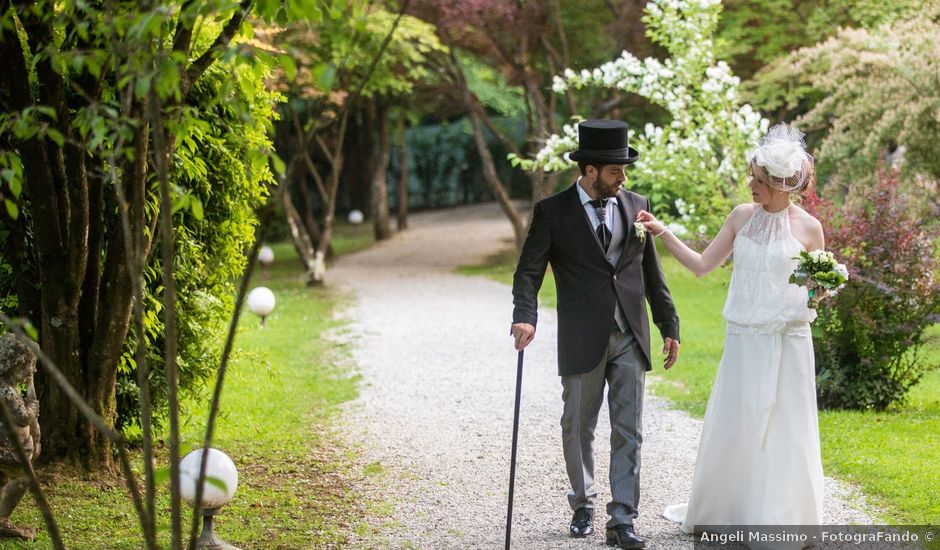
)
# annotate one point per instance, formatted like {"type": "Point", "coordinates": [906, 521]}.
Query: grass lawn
{"type": "Point", "coordinates": [278, 405]}
{"type": "Point", "coordinates": [893, 457]}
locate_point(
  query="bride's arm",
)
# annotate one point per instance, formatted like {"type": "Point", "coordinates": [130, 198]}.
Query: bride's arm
{"type": "Point", "coordinates": [714, 254]}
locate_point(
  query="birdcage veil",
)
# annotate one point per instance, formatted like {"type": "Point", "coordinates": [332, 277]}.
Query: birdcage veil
{"type": "Point", "coordinates": [781, 153]}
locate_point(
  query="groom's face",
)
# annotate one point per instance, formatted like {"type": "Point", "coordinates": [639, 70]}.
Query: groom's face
{"type": "Point", "coordinates": [610, 179]}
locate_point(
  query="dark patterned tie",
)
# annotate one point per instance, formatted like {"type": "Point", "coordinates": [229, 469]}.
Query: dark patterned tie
{"type": "Point", "coordinates": [603, 233]}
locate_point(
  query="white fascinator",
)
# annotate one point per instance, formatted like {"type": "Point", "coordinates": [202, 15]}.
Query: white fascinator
{"type": "Point", "coordinates": [782, 153]}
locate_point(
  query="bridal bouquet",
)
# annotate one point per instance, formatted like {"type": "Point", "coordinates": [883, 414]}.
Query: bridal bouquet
{"type": "Point", "coordinates": [821, 270]}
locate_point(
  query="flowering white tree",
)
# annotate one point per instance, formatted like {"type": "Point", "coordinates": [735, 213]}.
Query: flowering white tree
{"type": "Point", "coordinates": [700, 157]}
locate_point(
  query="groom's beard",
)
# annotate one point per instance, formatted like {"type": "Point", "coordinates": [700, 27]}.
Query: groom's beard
{"type": "Point", "coordinates": [606, 189]}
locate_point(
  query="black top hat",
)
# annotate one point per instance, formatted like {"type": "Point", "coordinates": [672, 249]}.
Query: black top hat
{"type": "Point", "coordinates": [603, 142]}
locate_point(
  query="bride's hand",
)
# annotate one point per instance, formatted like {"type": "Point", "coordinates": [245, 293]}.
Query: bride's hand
{"type": "Point", "coordinates": [650, 222]}
{"type": "Point", "coordinates": [819, 292]}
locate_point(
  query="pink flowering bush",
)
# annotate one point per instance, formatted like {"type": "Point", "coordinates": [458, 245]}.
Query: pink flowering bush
{"type": "Point", "coordinates": [869, 337]}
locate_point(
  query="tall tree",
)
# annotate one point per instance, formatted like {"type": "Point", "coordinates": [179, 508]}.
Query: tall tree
{"type": "Point", "coordinates": [380, 213]}
{"type": "Point", "coordinates": [402, 211]}
{"type": "Point", "coordinates": [81, 85]}
{"type": "Point", "coordinates": [527, 43]}
{"type": "Point", "coordinates": [366, 53]}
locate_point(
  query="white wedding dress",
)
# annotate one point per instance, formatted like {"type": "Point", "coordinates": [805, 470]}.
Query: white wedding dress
{"type": "Point", "coordinates": [759, 458]}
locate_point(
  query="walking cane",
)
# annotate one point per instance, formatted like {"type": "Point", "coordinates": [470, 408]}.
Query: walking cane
{"type": "Point", "coordinates": [515, 439]}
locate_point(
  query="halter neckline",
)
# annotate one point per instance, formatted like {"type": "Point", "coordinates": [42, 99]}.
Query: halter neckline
{"type": "Point", "coordinates": [769, 213]}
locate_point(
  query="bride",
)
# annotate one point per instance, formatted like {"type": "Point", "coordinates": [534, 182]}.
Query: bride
{"type": "Point", "coordinates": [759, 458]}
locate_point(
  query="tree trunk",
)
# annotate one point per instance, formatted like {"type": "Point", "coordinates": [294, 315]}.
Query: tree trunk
{"type": "Point", "coordinates": [383, 229]}
{"type": "Point", "coordinates": [544, 125]}
{"type": "Point", "coordinates": [402, 177]}
{"type": "Point", "coordinates": [489, 168]}
{"type": "Point", "coordinates": [495, 184]}
{"type": "Point", "coordinates": [79, 292]}
{"type": "Point", "coordinates": [309, 219]}
{"type": "Point", "coordinates": [299, 236]}
{"type": "Point", "coordinates": [359, 147]}
{"type": "Point", "coordinates": [329, 208]}
{"type": "Point", "coordinates": [310, 224]}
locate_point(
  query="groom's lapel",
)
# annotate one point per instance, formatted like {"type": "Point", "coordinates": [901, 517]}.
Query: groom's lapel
{"type": "Point", "coordinates": [628, 212]}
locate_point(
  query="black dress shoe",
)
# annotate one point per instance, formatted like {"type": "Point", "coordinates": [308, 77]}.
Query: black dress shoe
{"type": "Point", "coordinates": [622, 536]}
{"type": "Point", "coordinates": [582, 523]}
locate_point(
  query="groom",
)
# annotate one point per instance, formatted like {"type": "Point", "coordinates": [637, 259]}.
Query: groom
{"type": "Point", "coordinates": [604, 270]}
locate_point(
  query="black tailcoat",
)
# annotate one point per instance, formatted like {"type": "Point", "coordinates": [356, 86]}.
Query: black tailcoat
{"type": "Point", "coordinates": [588, 285]}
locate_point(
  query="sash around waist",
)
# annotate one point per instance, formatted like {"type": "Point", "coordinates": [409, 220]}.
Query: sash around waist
{"type": "Point", "coordinates": [786, 328]}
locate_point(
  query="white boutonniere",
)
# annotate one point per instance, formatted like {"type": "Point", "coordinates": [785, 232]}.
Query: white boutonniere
{"type": "Point", "coordinates": [640, 231]}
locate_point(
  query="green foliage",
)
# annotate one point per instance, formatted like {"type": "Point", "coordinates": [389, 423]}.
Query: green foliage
{"type": "Point", "coordinates": [219, 173]}
{"type": "Point", "coordinates": [279, 416]}
{"type": "Point", "coordinates": [440, 156]}
{"type": "Point", "coordinates": [444, 166]}
{"type": "Point", "coordinates": [871, 90]}
{"type": "Point", "coordinates": [594, 31]}
{"type": "Point", "coordinates": [8, 299]}
{"type": "Point", "coordinates": [491, 88]}
{"type": "Point", "coordinates": [335, 56]}
{"type": "Point", "coordinates": [94, 96]}
{"type": "Point", "coordinates": [752, 33]}
{"type": "Point", "coordinates": [221, 177]}
{"type": "Point", "coordinates": [407, 59]}
{"type": "Point", "coordinates": [869, 339]}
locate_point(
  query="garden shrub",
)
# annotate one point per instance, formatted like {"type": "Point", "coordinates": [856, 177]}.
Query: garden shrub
{"type": "Point", "coordinates": [869, 337]}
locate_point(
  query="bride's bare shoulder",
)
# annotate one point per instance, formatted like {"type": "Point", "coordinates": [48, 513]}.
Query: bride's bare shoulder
{"type": "Point", "coordinates": [746, 208]}
{"type": "Point", "coordinates": [804, 218]}
{"type": "Point", "coordinates": [806, 229]}
{"type": "Point", "coordinates": [739, 216]}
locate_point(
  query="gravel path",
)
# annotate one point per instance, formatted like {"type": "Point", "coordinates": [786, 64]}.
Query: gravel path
{"type": "Point", "coordinates": [435, 412]}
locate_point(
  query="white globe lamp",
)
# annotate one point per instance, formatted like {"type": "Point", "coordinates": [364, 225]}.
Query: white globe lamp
{"type": "Point", "coordinates": [266, 255]}
{"type": "Point", "coordinates": [261, 302]}
{"type": "Point", "coordinates": [217, 490]}
{"type": "Point", "coordinates": [355, 217]}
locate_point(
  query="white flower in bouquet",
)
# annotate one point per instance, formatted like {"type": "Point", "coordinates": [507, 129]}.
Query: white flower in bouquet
{"type": "Point", "coordinates": [822, 256]}
{"type": "Point", "coordinates": [819, 269]}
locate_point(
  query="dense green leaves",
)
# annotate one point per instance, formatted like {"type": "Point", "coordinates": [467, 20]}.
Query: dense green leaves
{"type": "Point", "coordinates": [338, 53]}
{"type": "Point", "coordinates": [753, 33]}
{"type": "Point", "coordinates": [491, 88]}
{"type": "Point", "coordinates": [221, 177]}
{"type": "Point", "coordinates": [110, 62]}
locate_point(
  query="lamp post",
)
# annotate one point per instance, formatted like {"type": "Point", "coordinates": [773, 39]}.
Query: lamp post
{"type": "Point", "coordinates": [355, 217]}
{"type": "Point", "coordinates": [217, 490]}
{"type": "Point", "coordinates": [261, 302]}
{"type": "Point", "coordinates": [266, 255]}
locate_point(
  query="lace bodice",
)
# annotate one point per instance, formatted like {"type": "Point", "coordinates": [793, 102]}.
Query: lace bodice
{"type": "Point", "coordinates": [759, 298]}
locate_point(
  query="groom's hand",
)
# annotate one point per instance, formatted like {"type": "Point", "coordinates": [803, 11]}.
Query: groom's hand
{"type": "Point", "coordinates": [524, 333]}
{"type": "Point", "coordinates": [671, 351]}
